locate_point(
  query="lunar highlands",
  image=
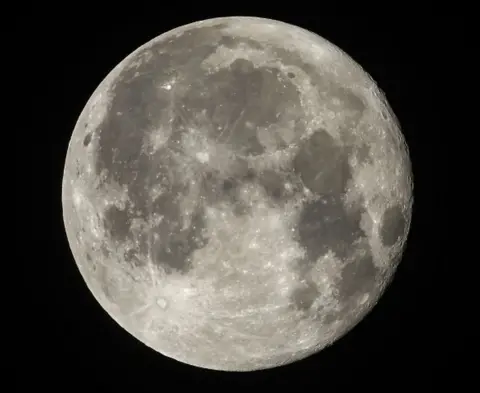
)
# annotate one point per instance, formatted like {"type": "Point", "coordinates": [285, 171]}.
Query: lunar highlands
{"type": "Point", "coordinates": [237, 193]}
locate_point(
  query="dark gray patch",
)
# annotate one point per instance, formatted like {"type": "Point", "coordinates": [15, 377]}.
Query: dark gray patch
{"type": "Point", "coordinates": [304, 296]}
{"type": "Point", "coordinates": [217, 189]}
{"type": "Point", "coordinates": [322, 164]}
{"type": "Point", "coordinates": [393, 225]}
{"type": "Point", "coordinates": [130, 254]}
{"type": "Point", "coordinates": [87, 139]}
{"type": "Point", "coordinates": [228, 185]}
{"type": "Point", "coordinates": [117, 222]}
{"type": "Point", "coordinates": [291, 75]}
{"type": "Point", "coordinates": [105, 251]}
{"type": "Point", "coordinates": [326, 225]}
{"type": "Point", "coordinates": [240, 208]}
{"type": "Point", "coordinates": [249, 175]}
{"type": "Point", "coordinates": [174, 247]}
{"type": "Point", "coordinates": [88, 257]}
{"type": "Point", "coordinates": [331, 317]}
{"type": "Point", "coordinates": [134, 258]}
{"type": "Point", "coordinates": [273, 183]}
{"type": "Point", "coordinates": [122, 135]}
{"type": "Point", "coordinates": [358, 277]}
{"type": "Point", "coordinates": [168, 244]}
{"type": "Point", "coordinates": [239, 94]}
{"type": "Point", "coordinates": [138, 104]}
{"type": "Point", "coordinates": [105, 283]}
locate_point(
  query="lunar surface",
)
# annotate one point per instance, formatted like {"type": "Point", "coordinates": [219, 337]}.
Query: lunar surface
{"type": "Point", "coordinates": [237, 193]}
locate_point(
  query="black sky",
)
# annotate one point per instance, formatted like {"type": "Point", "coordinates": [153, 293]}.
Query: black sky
{"type": "Point", "coordinates": [406, 338]}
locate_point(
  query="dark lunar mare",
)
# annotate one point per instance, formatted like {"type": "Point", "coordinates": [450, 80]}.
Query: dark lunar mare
{"type": "Point", "coordinates": [392, 226]}
{"type": "Point", "coordinates": [325, 224]}
{"type": "Point", "coordinates": [230, 97]}
{"type": "Point", "coordinates": [138, 106]}
{"type": "Point", "coordinates": [241, 94]}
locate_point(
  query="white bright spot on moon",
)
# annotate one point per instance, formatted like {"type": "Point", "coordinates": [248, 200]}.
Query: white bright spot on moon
{"type": "Point", "coordinates": [203, 157]}
{"type": "Point", "coordinates": [162, 303]}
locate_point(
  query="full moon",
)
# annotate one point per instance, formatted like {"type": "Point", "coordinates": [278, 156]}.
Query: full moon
{"type": "Point", "coordinates": [237, 193]}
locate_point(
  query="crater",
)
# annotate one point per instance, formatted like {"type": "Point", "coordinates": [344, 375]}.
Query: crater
{"type": "Point", "coordinates": [304, 296]}
{"type": "Point", "coordinates": [87, 139]}
{"type": "Point", "coordinates": [323, 165]}
{"type": "Point", "coordinates": [393, 225]}
{"type": "Point", "coordinates": [363, 154]}
{"type": "Point", "coordinates": [228, 185]}
{"type": "Point", "coordinates": [357, 277]}
{"type": "Point", "coordinates": [217, 188]}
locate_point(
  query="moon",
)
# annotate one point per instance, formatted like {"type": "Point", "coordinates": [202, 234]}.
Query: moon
{"type": "Point", "coordinates": [237, 193]}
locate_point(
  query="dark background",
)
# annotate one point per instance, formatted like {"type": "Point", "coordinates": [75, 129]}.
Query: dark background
{"type": "Point", "coordinates": [409, 337]}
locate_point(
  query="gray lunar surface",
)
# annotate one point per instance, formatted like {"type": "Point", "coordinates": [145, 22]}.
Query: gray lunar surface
{"type": "Point", "coordinates": [237, 193]}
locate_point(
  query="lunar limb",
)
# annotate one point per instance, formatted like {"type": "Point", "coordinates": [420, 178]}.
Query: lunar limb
{"type": "Point", "coordinates": [237, 193]}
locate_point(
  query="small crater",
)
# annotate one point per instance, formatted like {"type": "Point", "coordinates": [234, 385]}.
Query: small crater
{"type": "Point", "coordinates": [88, 257]}
{"type": "Point", "coordinates": [242, 66]}
{"type": "Point", "coordinates": [87, 139]}
{"type": "Point", "coordinates": [250, 174]}
{"type": "Point", "coordinates": [291, 75]}
{"type": "Point", "coordinates": [393, 225]}
{"type": "Point", "coordinates": [228, 185]}
{"type": "Point", "coordinates": [331, 317]}
{"type": "Point", "coordinates": [240, 208]}
{"type": "Point", "coordinates": [303, 297]}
